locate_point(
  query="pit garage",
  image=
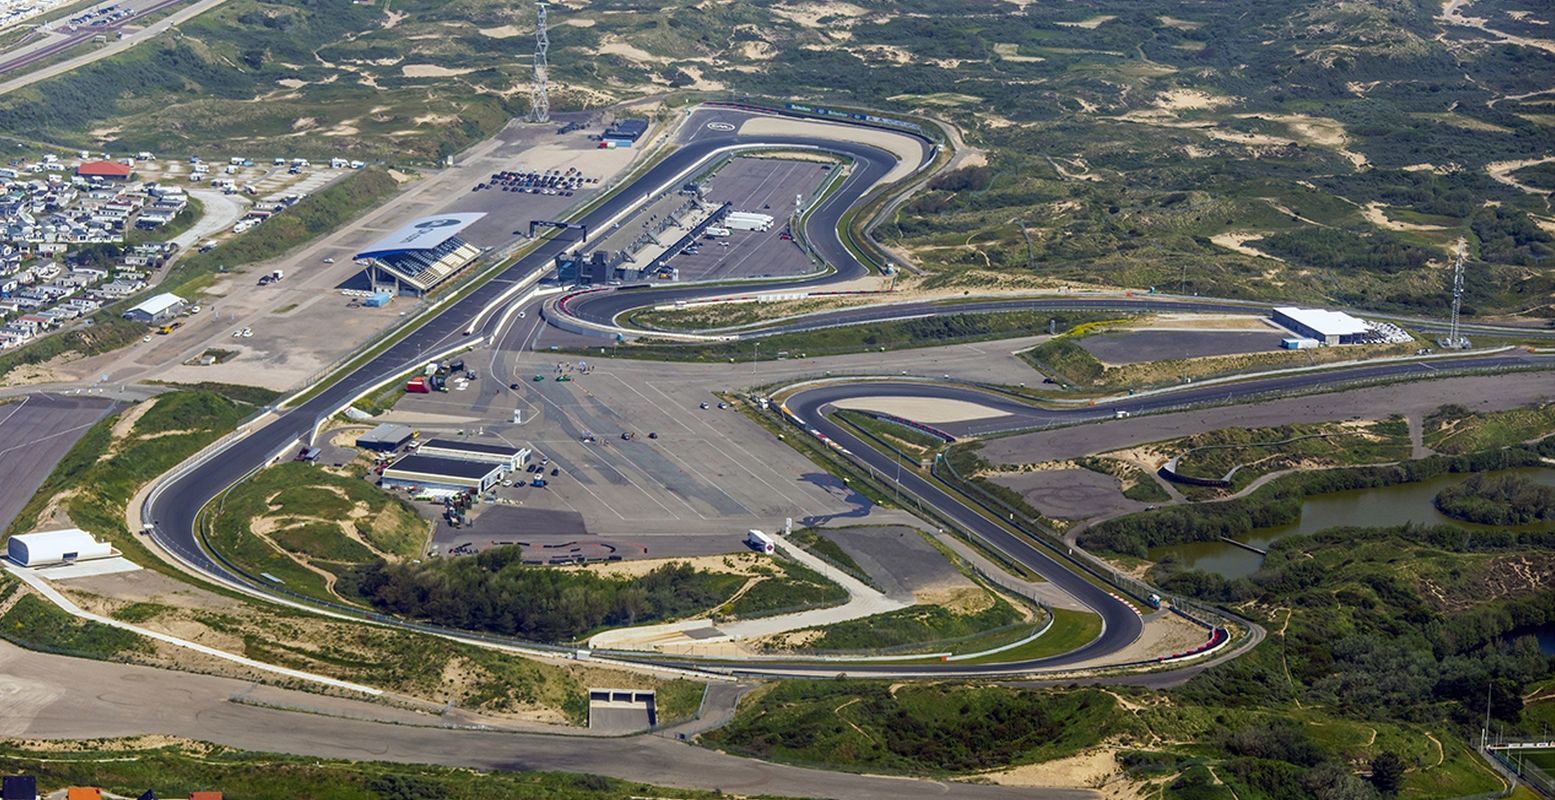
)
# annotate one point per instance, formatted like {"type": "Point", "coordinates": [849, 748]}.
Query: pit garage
{"type": "Point", "coordinates": [439, 475]}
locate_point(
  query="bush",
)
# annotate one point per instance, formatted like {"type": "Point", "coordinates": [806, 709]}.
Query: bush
{"type": "Point", "coordinates": [1498, 500]}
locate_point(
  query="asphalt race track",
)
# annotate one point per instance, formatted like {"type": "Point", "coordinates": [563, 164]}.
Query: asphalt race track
{"type": "Point", "coordinates": [174, 509]}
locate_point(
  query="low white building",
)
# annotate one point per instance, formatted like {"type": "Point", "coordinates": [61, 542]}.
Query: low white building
{"type": "Point", "coordinates": [156, 309]}
{"type": "Point", "coordinates": [55, 547]}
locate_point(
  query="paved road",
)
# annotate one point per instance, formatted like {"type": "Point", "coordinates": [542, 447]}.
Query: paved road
{"type": "Point", "coordinates": [173, 510]}
{"type": "Point", "coordinates": [53, 697]}
{"type": "Point", "coordinates": [112, 47]}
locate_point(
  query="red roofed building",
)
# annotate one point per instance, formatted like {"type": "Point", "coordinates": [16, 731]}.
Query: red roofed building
{"type": "Point", "coordinates": [104, 169]}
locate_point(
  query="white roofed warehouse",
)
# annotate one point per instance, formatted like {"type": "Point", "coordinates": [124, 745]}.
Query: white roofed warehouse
{"type": "Point", "coordinates": [160, 308]}
{"type": "Point", "coordinates": [422, 254]}
{"type": "Point", "coordinates": [1328, 327]}
{"type": "Point", "coordinates": [45, 548]}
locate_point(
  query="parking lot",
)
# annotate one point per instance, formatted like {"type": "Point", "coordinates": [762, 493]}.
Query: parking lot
{"type": "Point", "coordinates": [39, 429]}
{"type": "Point", "coordinates": [1137, 347]}
{"type": "Point", "coordinates": [508, 208]}
{"type": "Point", "coordinates": [764, 186]}
{"type": "Point", "coordinates": [686, 472]}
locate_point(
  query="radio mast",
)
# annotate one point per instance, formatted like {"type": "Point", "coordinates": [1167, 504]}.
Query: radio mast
{"type": "Point", "coordinates": [1455, 339]}
{"type": "Point", "coordinates": [539, 98]}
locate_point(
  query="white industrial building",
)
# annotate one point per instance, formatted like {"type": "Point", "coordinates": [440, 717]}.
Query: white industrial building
{"type": "Point", "coordinates": [510, 457]}
{"type": "Point", "coordinates": [45, 548]}
{"type": "Point", "coordinates": [1327, 327]}
{"type": "Point", "coordinates": [162, 307]}
{"type": "Point", "coordinates": [441, 466]}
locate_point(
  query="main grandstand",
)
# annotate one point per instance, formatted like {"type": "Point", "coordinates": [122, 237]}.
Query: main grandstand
{"type": "Point", "coordinates": [421, 254]}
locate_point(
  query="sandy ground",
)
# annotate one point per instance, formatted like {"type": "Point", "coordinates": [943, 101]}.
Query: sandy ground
{"type": "Point", "coordinates": [1090, 24]}
{"type": "Point", "coordinates": [1375, 214]}
{"type": "Point", "coordinates": [1238, 242]}
{"type": "Point", "coordinates": [44, 699]}
{"type": "Point", "coordinates": [907, 150]}
{"type": "Point", "coordinates": [1501, 172]}
{"type": "Point", "coordinates": [1092, 769]}
{"type": "Point", "coordinates": [928, 410]}
{"type": "Point", "coordinates": [1191, 100]}
{"type": "Point", "coordinates": [431, 71]}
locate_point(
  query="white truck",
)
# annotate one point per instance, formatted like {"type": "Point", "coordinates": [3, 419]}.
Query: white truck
{"type": "Point", "coordinates": [760, 542]}
{"type": "Point", "coordinates": [717, 233]}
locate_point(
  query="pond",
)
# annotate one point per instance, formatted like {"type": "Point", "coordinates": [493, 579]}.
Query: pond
{"type": "Point", "coordinates": [1545, 634]}
{"type": "Point", "coordinates": [1367, 508]}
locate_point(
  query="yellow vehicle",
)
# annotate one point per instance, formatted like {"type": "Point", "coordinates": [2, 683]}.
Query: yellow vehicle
{"type": "Point", "coordinates": [169, 328]}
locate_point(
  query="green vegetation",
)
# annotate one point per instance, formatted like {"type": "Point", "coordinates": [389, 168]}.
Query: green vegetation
{"type": "Point", "coordinates": [294, 519]}
{"type": "Point", "coordinates": [1275, 503]}
{"type": "Point", "coordinates": [1070, 631]}
{"type": "Point", "coordinates": [1065, 360]}
{"type": "Point", "coordinates": [37, 624]}
{"type": "Point", "coordinates": [106, 332]}
{"type": "Point", "coordinates": [1455, 429]}
{"type": "Point", "coordinates": [936, 729]}
{"type": "Point", "coordinates": [788, 587]}
{"type": "Point", "coordinates": [101, 473]}
{"type": "Point", "coordinates": [1136, 482]}
{"type": "Point", "coordinates": [1253, 452]}
{"type": "Point", "coordinates": [927, 628]}
{"type": "Point", "coordinates": [903, 438]}
{"type": "Point", "coordinates": [495, 592]}
{"type": "Point", "coordinates": [925, 332]}
{"type": "Point", "coordinates": [1498, 500]}
{"type": "Point", "coordinates": [250, 395]}
{"type": "Point", "coordinates": [812, 540]}
{"type": "Point", "coordinates": [129, 767]}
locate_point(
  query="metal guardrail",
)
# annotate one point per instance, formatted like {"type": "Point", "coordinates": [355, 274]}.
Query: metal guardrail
{"type": "Point", "coordinates": [1532, 776]}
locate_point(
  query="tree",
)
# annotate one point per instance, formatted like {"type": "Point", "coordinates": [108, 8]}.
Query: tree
{"type": "Point", "coordinates": [1387, 772]}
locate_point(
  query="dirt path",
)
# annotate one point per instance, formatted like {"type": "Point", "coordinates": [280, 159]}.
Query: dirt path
{"type": "Point", "coordinates": [1452, 14]}
{"type": "Point", "coordinates": [1441, 752]}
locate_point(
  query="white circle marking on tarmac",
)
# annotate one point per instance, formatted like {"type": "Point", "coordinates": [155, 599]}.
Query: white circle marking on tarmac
{"type": "Point", "coordinates": [720, 126]}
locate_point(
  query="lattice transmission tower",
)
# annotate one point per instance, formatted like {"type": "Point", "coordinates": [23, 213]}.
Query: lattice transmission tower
{"type": "Point", "coordinates": [539, 97]}
{"type": "Point", "coordinates": [1455, 339]}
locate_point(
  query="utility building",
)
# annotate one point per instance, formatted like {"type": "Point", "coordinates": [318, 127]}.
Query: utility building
{"type": "Point", "coordinates": [510, 457]}
{"type": "Point", "coordinates": [1328, 327]}
{"type": "Point", "coordinates": [46, 548]}
{"type": "Point", "coordinates": [385, 438]}
{"type": "Point", "coordinates": [442, 475]}
{"type": "Point", "coordinates": [163, 307]}
{"type": "Point", "coordinates": [422, 254]}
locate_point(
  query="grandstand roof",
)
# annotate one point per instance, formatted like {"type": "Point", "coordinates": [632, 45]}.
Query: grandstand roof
{"type": "Point", "coordinates": [422, 234]}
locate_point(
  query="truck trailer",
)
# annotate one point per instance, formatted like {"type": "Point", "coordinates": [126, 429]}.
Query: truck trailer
{"type": "Point", "coordinates": [760, 542]}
